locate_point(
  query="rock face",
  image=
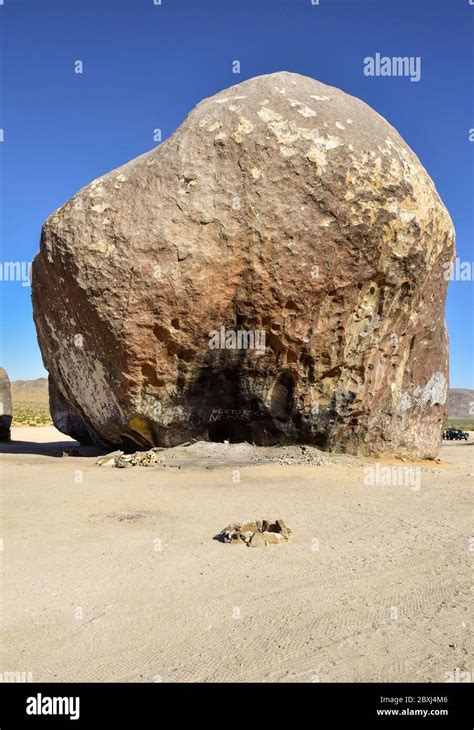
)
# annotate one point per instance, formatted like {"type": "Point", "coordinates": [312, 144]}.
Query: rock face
{"type": "Point", "coordinates": [6, 409]}
{"type": "Point", "coordinates": [68, 419]}
{"type": "Point", "coordinates": [273, 272]}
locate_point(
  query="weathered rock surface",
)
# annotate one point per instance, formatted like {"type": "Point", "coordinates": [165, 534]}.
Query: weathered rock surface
{"type": "Point", "coordinates": [280, 206]}
{"type": "Point", "coordinates": [67, 418]}
{"type": "Point", "coordinates": [6, 409]}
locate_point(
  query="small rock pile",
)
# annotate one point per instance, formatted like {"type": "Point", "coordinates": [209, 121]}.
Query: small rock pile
{"type": "Point", "coordinates": [255, 534]}
{"type": "Point", "coordinates": [123, 461]}
{"type": "Point", "coordinates": [306, 456]}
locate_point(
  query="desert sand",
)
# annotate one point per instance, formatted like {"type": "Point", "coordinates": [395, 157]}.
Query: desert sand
{"type": "Point", "coordinates": [113, 574]}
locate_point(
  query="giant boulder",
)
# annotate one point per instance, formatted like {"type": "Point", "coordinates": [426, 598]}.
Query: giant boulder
{"type": "Point", "coordinates": [6, 408]}
{"type": "Point", "coordinates": [274, 272]}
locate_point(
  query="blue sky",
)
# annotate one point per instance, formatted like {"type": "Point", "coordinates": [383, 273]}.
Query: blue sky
{"type": "Point", "coordinates": [145, 66]}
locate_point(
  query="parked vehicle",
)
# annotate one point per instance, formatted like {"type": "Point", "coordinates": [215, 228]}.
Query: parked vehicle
{"type": "Point", "coordinates": [455, 434]}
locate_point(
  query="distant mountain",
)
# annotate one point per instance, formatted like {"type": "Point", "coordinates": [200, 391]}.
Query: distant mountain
{"type": "Point", "coordinates": [461, 403]}
{"type": "Point", "coordinates": [30, 391]}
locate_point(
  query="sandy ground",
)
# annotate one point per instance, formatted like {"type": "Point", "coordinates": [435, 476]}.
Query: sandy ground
{"type": "Point", "coordinates": [113, 574]}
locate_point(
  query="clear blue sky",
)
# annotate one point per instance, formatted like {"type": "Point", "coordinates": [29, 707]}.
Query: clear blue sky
{"type": "Point", "coordinates": [145, 66]}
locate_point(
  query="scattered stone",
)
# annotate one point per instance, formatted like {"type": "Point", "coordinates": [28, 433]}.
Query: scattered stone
{"type": "Point", "coordinates": [140, 458]}
{"type": "Point", "coordinates": [256, 533]}
{"type": "Point", "coordinates": [273, 538]}
{"type": "Point", "coordinates": [237, 538]}
{"type": "Point", "coordinates": [249, 526]}
{"type": "Point", "coordinates": [71, 452]}
{"type": "Point", "coordinates": [257, 540]}
{"type": "Point", "coordinates": [6, 409]}
{"type": "Point", "coordinates": [281, 528]}
{"type": "Point", "coordinates": [124, 461]}
{"type": "Point", "coordinates": [306, 457]}
{"type": "Point", "coordinates": [108, 459]}
{"type": "Point", "coordinates": [121, 463]}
